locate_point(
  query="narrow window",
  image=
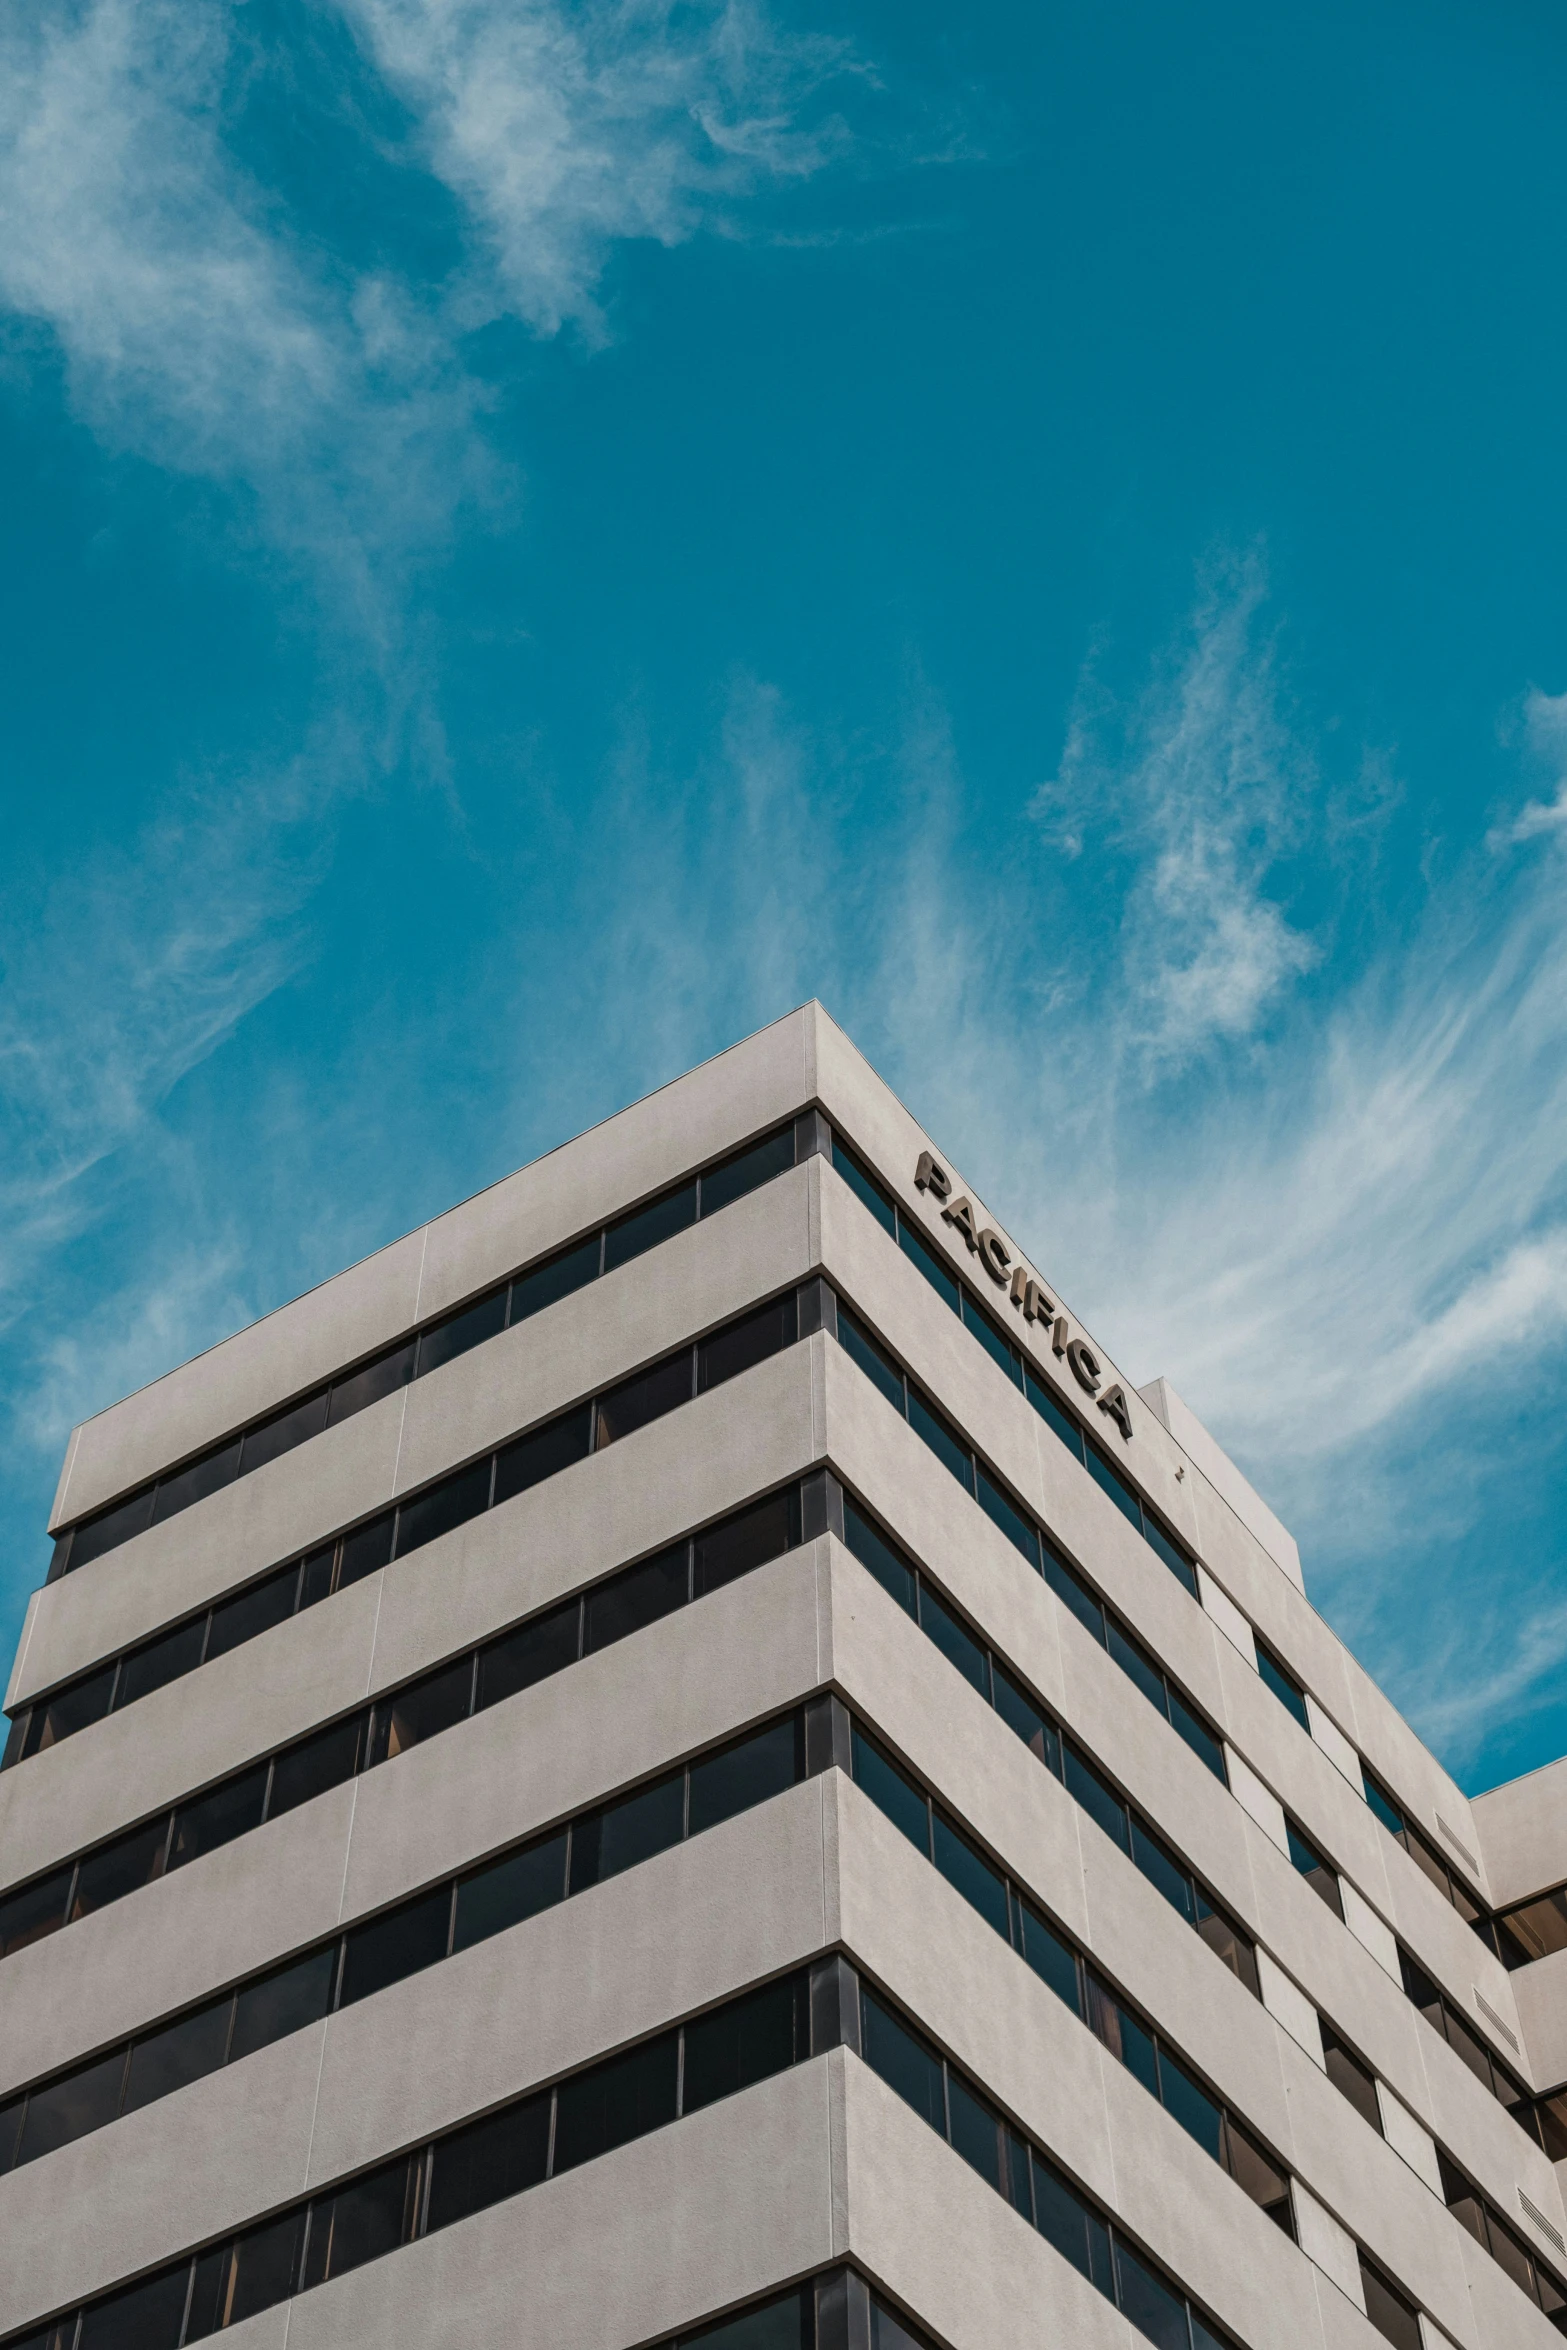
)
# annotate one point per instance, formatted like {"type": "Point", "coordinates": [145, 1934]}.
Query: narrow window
{"type": "Point", "coordinates": [1319, 1874]}
{"type": "Point", "coordinates": [872, 1359]}
{"type": "Point", "coordinates": [315, 1764]}
{"type": "Point", "coordinates": [878, 1556]}
{"type": "Point", "coordinates": [616, 2102]}
{"type": "Point", "coordinates": [1135, 1662]}
{"type": "Point", "coordinates": [1227, 1941]}
{"type": "Point", "coordinates": [183, 2051]}
{"type": "Point", "coordinates": [749, 1772]}
{"type": "Point", "coordinates": [366, 1549]}
{"type": "Point", "coordinates": [542, 1453]}
{"type": "Point", "coordinates": [1284, 1685]}
{"type": "Point", "coordinates": [1109, 1479]}
{"type": "Point", "coordinates": [187, 1486]}
{"type": "Point", "coordinates": [445, 1341]}
{"type": "Point", "coordinates": [1052, 1958]}
{"type": "Point", "coordinates": [444, 1507]}
{"type": "Point", "coordinates": [1096, 1796]}
{"type": "Point", "coordinates": [421, 1711]}
{"type": "Point", "coordinates": [955, 1641]}
{"type": "Point", "coordinates": [282, 2002]}
{"type": "Point", "coordinates": [216, 1818]}
{"type": "Point", "coordinates": [110, 1528]}
{"type": "Point", "coordinates": [483, 2164]}
{"type": "Point", "coordinates": [119, 1868]}
{"type": "Point", "coordinates": [71, 1709]}
{"type": "Point", "coordinates": [747, 1539]}
{"type": "Point", "coordinates": [981, 1327]}
{"type": "Point", "coordinates": [1074, 1594]}
{"type": "Point", "coordinates": [531, 1653]}
{"type": "Point", "coordinates": [944, 1441]}
{"type": "Point", "coordinates": [1200, 2115]}
{"type": "Point", "coordinates": [361, 2222]}
{"type": "Point", "coordinates": [250, 1613]}
{"type": "Point", "coordinates": [1021, 1715]}
{"type": "Point", "coordinates": [404, 1942]}
{"type": "Point", "coordinates": [864, 1187]}
{"type": "Point", "coordinates": [636, 1402]}
{"type": "Point", "coordinates": [624, 1833]}
{"type": "Point", "coordinates": [748, 1342]}
{"type": "Point", "coordinates": [371, 1383]}
{"type": "Point", "coordinates": [1018, 1530]}
{"type": "Point", "coordinates": [639, 1596]}
{"type": "Point", "coordinates": [645, 1227]}
{"type": "Point", "coordinates": [1055, 1415]}
{"type": "Point", "coordinates": [910, 2068]}
{"type": "Point", "coordinates": [747, 1170]}
{"type": "Point", "coordinates": [891, 1789]}
{"type": "Point", "coordinates": [255, 2272]}
{"type": "Point", "coordinates": [1351, 2077]}
{"type": "Point", "coordinates": [509, 1890]}
{"type": "Point", "coordinates": [558, 1277]}
{"type": "Point", "coordinates": [975, 2131]}
{"type": "Point", "coordinates": [1147, 2301]}
{"type": "Point", "coordinates": [1204, 1743]}
{"type": "Point", "coordinates": [144, 2317]}
{"type": "Point", "coordinates": [748, 2040]}
{"type": "Point", "coordinates": [282, 1432]}
{"type": "Point", "coordinates": [62, 2111]}
{"type": "Point", "coordinates": [1067, 2222]}
{"type": "Point", "coordinates": [1389, 2312]}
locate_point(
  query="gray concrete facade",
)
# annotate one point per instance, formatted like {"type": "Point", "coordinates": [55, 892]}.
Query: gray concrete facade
{"type": "Point", "coordinates": [1346, 2050]}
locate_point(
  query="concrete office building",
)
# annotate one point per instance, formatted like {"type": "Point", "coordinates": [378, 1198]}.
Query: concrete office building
{"type": "Point", "coordinates": [679, 1752]}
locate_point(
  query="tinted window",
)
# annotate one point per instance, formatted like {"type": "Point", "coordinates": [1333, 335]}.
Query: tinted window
{"type": "Point", "coordinates": [864, 1187]}
{"type": "Point", "coordinates": [890, 1790]}
{"type": "Point", "coordinates": [992, 1341]}
{"type": "Point", "coordinates": [1074, 1592]}
{"type": "Point", "coordinates": [757, 1164]}
{"type": "Point", "coordinates": [430, 1706]}
{"type": "Point", "coordinates": [147, 2317]}
{"type": "Point", "coordinates": [786, 2324]}
{"type": "Point", "coordinates": [1285, 1689]}
{"type": "Point", "coordinates": [863, 1350]}
{"type": "Point", "coordinates": [218, 1816]}
{"type": "Point", "coordinates": [509, 1890]}
{"type": "Point", "coordinates": [1540, 1925]}
{"type": "Point", "coordinates": [164, 2061]}
{"type": "Point", "coordinates": [645, 1227]}
{"type": "Point", "coordinates": [919, 1253]}
{"type": "Point", "coordinates": [402, 1943]}
{"type": "Point", "coordinates": [442, 1344]}
{"type": "Point", "coordinates": [362, 1388]}
{"type": "Point", "coordinates": [366, 1549]}
{"type": "Point", "coordinates": [70, 1710]}
{"type": "Point", "coordinates": [943, 1439]}
{"type": "Point", "coordinates": [956, 1643]}
{"type": "Point", "coordinates": [1149, 2303]}
{"type": "Point", "coordinates": [162, 1660]}
{"type": "Point", "coordinates": [1204, 1743]}
{"type": "Point", "coordinates": [1351, 2078]}
{"type": "Point", "coordinates": [627, 1832]}
{"type": "Point", "coordinates": [489, 2161]}
{"type": "Point", "coordinates": [969, 1873]}
{"type": "Point", "coordinates": [529, 1654]}
{"type": "Point", "coordinates": [638, 1597]}
{"type": "Point", "coordinates": [447, 1505]}
{"type": "Point", "coordinates": [1310, 1864]}
{"type": "Point", "coordinates": [195, 1483]}
{"type": "Point", "coordinates": [316, 1764]}
{"type": "Point", "coordinates": [298, 1994]}
{"type": "Point", "coordinates": [546, 1284]}
{"type": "Point", "coordinates": [1135, 1662]}
{"type": "Point", "coordinates": [1225, 1939]}
{"type": "Point", "coordinates": [63, 2110]}
{"type": "Point", "coordinates": [38, 1909]}
{"type": "Point", "coordinates": [1018, 1710]}
{"type": "Point", "coordinates": [1388, 2311]}
{"type": "Point", "coordinates": [542, 1453]}
{"type": "Point", "coordinates": [729, 1352]}
{"type": "Point", "coordinates": [252, 1612]}
{"type": "Point", "coordinates": [1099, 1800]}
{"type": "Point", "coordinates": [1064, 2220]}
{"type": "Point", "coordinates": [1198, 2114]}
{"type": "Point", "coordinates": [1012, 1522]}
{"type": "Point", "coordinates": [357, 2224]}
{"type": "Point", "coordinates": [94, 1536]}
{"type": "Point", "coordinates": [118, 1868]}
{"type": "Point", "coordinates": [315, 1573]}
{"type": "Point", "coordinates": [747, 1540]}
{"type": "Point", "coordinates": [616, 2102]}
{"type": "Point", "coordinates": [1160, 1866]}
{"type": "Point", "coordinates": [1174, 1558]}
{"type": "Point", "coordinates": [636, 1402]}
{"type": "Point", "coordinates": [1055, 1415]}
{"type": "Point", "coordinates": [282, 1432]}
{"type": "Point", "coordinates": [749, 2040]}
{"type": "Point", "coordinates": [903, 2061]}
{"type": "Point", "coordinates": [975, 2130]}
{"type": "Point", "coordinates": [1112, 1482]}
{"type": "Point", "coordinates": [750, 1772]}
{"type": "Point", "coordinates": [1052, 1959]}
{"type": "Point", "coordinates": [253, 2274]}
{"type": "Point", "coordinates": [882, 1559]}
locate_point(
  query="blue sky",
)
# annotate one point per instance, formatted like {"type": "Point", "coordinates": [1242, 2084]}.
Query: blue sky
{"type": "Point", "coordinates": [537, 537]}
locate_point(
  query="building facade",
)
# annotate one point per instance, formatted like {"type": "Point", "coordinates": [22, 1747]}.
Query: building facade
{"type": "Point", "coordinates": [678, 1756]}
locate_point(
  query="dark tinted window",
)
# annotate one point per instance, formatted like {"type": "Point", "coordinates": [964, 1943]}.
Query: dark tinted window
{"type": "Point", "coordinates": [616, 2102]}
{"type": "Point", "coordinates": [147, 2317]}
{"type": "Point", "coordinates": [1204, 1743]}
{"type": "Point", "coordinates": [1200, 2115]}
{"type": "Point", "coordinates": [284, 2002]}
{"type": "Point", "coordinates": [1174, 1558]}
{"type": "Point", "coordinates": [729, 1352]}
{"type": "Point", "coordinates": [118, 1868]}
{"type": "Point", "coordinates": [1387, 2309]}
{"type": "Point", "coordinates": [1055, 1415]}
{"type": "Point", "coordinates": [282, 1432]}
{"type": "Point", "coordinates": [636, 1402]}
{"type": "Point", "coordinates": [164, 2061]}
{"type": "Point", "coordinates": [1052, 1959]}
{"type": "Point", "coordinates": [891, 1790]}
{"type": "Point", "coordinates": [638, 1597]}
{"type": "Point", "coordinates": [529, 1654]}
{"type": "Point", "coordinates": [956, 1642]}
{"type": "Point", "coordinates": [218, 1816]}
{"type": "Point", "coordinates": [359, 2223]}
{"type": "Point", "coordinates": [367, 1548]}
{"type": "Point", "coordinates": [1160, 1866]}
{"type": "Point", "coordinates": [422, 1711]}
{"type": "Point", "coordinates": [1318, 1873]}
{"type": "Point", "coordinates": [1018, 1710]}
{"type": "Point", "coordinates": [509, 1890]}
{"type": "Point", "coordinates": [749, 2040]}
{"type": "Point", "coordinates": [968, 1871]}
{"type": "Point", "coordinates": [881, 1557]}
{"type": "Point", "coordinates": [1110, 1481]}
{"type": "Point", "coordinates": [186, 1486]}
{"type": "Point", "coordinates": [862, 1349]}
{"type": "Point", "coordinates": [489, 2161]}
{"type": "Point", "coordinates": [1099, 1800]}
{"type": "Point", "coordinates": [1351, 2078]}
{"type": "Point", "coordinates": [252, 1612]}
{"type": "Point", "coordinates": [1135, 1662]}
{"type": "Point", "coordinates": [992, 1341]}
{"type": "Point", "coordinates": [542, 1453]}
{"type": "Point", "coordinates": [1064, 2220]}
{"type": "Point", "coordinates": [747, 1773]}
{"type": "Point", "coordinates": [62, 2110]}
{"type": "Point", "coordinates": [315, 1572]}
{"type": "Point", "coordinates": [1539, 1926]}
{"type": "Point", "coordinates": [1381, 1803]}
{"type": "Point", "coordinates": [943, 1439]}
{"type": "Point", "coordinates": [70, 1710]}
{"type": "Point", "coordinates": [627, 1832]}
{"type": "Point", "coordinates": [645, 1227]}
{"type": "Point", "coordinates": [253, 2274]}
{"type": "Point", "coordinates": [1070, 1588]}
{"type": "Point", "coordinates": [903, 2060]}
{"type": "Point", "coordinates": [748, 1539]}
{"type": "Point", "coordinates": [755, 1165]}
{"type": "Point", "coordinates": [1017, 1529]}
{"type": "Point", "coordinates": [1285, 1687]}
{"type": "Point", "coordinates": [976, 2131]}
{"type": "Point", "coordinates": [162, 1660]}
{"type": "Point", "coordinates": [484, 1319]}
{"type": "Point", "coordinates": [94, 1536]}
{"type": "Point", "coordinates": [447, 1505]}
{"type": "Point", "coordinates": [864, 1187]}
{"type": "Point", "coordinates": [1225, 1939]}
{"type": "Point", "coordinates": [362, 1388]}
{"type": "Point", "coordinates": [548, 1283]}
{"type": "Point", "coordinates": [404, 1942]}
{"type": "Point", "coordinates": [316, 1764]}
{"type": "Point", "coordinates": [1149, 2303]}
{"type": "Point", "coordinates": [921, 1254]}
{"type": "Point", "coordinates": [37, 1909]}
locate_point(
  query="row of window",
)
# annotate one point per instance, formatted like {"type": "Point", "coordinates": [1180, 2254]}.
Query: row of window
{"type": "Point", "coordinates": [408, 1524]}
{"type": "Point", "coordinates": [500, 1308]}
{"type": "Point", "coordinates": [531, 1651]}
{"type": "Point", "coordinates": [933, 1831]}
{"type": "Point", "coordinates": [834, 2311]}
{"type": "Point", "coordinates": [1050, 1744]}
{"type": "Point", "coordinates": [536, 2137]}
{"type": "Point", "coordinates": [1530, 1930]}
{"type": "Point", "coordinates": [1543, 2118]}
{"type": "Point", "coordinates": [419, 1932]}
{"type": "Point", "coordinates": [1485, 2223]}
{"type": "Point", "coordinates": [1011, 1360]}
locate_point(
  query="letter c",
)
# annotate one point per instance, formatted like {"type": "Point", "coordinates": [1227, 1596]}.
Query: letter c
{"type": "Point", "coordinates": [1085, 1364]}
{"type": "Point", "coordinates": [993, 1256]}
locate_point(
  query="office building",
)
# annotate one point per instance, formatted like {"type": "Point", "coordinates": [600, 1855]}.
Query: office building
{"type": "Point", "coordinates": [680, 1755]}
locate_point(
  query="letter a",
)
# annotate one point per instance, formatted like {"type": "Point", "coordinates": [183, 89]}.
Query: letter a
{"type": "Point", "coordinates": [1116, 1405]}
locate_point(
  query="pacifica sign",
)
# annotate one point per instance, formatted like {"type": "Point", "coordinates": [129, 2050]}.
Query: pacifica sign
{"type": "Point", "coordinates": [1025, 1292]}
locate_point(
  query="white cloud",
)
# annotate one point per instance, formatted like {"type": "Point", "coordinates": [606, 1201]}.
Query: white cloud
{"type": "Point", "coordinates": [1545, 731]}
